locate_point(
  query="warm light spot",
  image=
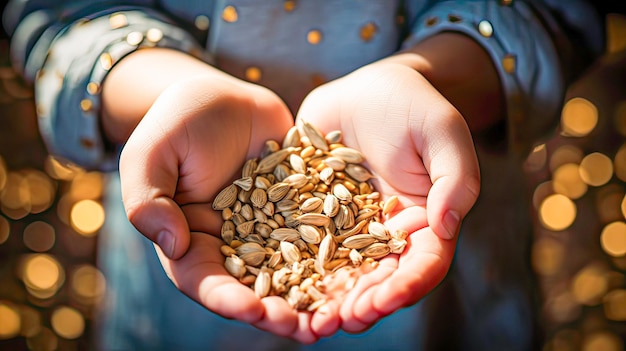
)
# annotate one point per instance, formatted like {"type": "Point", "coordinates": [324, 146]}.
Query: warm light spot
{"type": "Point", "coordinates": [509, 63]}
{"type": "Point", "coordinates": [567, 181]}
{"type": "Point", "coordinates": [542, 191]}
{"type": "Point", "coordinates": [314, 37]}
{"type": "Point", "coordinates": [118, 20]}
{"type": "Point", "coordinates": [615, 305]}
{"type": "Point", "coordinates": [42, 190]}
{"type": "Point", "coordinates": [596, 169]}
{"type": "Point", "coordinates": [60, 169]}
{"type": "Point", "coordinates": [87, 186]}
{"type": "Point", "coordinates": [230, 14]}
{"type": "Point", "coordinates": [557, 212]}
{"type": "Point", "coordinates": [603, 341]}
{"type": "Point", "coordinates": [565, 154]}
{"type": "Point", "coordinates": [589, 285]}
{"type": "Point", "coordinates": [5, 229]}
{"type": "Point", "coordinates": [86, 105]}
{"type": "Point", "coordinates": [624, 207]}
{"type": "Point", "coordinates": [87, 217]}
{"type": "Point", "coordinates": [202, 22]}
{"type": "Point", "coordinates": [64, 207]}
{"type": "Point", "coordinates": [134, 38]}
{"type": "Point", "coordinates": [88, 282]}
{"type": "Point", "coordinates": [290, 5]}
{"type": "Point", "coordinates": [547, 256]}
{"type": "Point", "coordinates": [106, 61]}
{"type": "Point", "coordinates": [485, 29]}
{"type": "Point", "coordinates": [39, 236]}
{"type": "Point", "coordinates": [67, 322]}
{"type": "Point", "coordinates": [563, 308]}
{"type": "Point", "coordinates": [253, 74]}
{"type": "Point", "coordinates": [16, 194]}
{"type": "Point", "coordinates": [616, 32]}
{"type": "Point", "coordinates": [42, 272]}
{"type": "Point", "coordinates": [93, 88]}
{"type": "Point", "coordinates": [613, 239]}
{"type": "Point", "coordinates": [578, 117]}
{"type": "Point", "coordinates": [619, 163]}
{"type": "Point", "coordinates": [368, 31]}
{"type": "Point", "coordinates": [537, 158]}
{"type": "Point", "coordinates": [9, 321]}
{"type": "Point", "coordinates": [154, 35]}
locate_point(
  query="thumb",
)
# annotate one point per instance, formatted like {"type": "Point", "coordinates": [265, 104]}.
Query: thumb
{"type": "Point", "coordinates": [148, 177]}
{"type": "Point", "coordinates": [453, 167]}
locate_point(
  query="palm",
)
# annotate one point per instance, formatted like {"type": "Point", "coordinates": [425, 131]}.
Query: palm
{"type": "Point", "coordinates": [386, 115]}
{"type": "Point", "coordinates": [182, 153]}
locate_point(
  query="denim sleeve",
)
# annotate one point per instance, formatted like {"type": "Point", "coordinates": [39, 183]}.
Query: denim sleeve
{"type": "Point", "coordinates": [67, 52]}
{"type": "Point", "coordinates": [531, 44]}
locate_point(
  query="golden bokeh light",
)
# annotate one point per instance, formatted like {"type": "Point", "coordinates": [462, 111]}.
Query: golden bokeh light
{"type": "Point", "coordinates": [60, 170]}
{"type": "Point", "coordinates": [620, 163]}
{"type": "Point", "coordinates": [87, 185]}
{"type": "Point", "coordinates": [43, 275]}
{"type": "Point", "coordinates": [314, 37]}
{"type": "Point", "coordinates": [88, 283]}
{"type": "Point", "coordinates": [253, 74]}
{"type": "Point", "coordinates": [87, 217]}
{"type": "Point", "coordinates": [10, 320]}
{"type": "Point", "coordinates": [565, 154]}
{"type": "Point", "coordinates": [67, 322]}
{"type": "Point", "coordinates": [547, 256]}
{"type": "Point", "coordinates": [596, 169]}
{"type": "Point", "coordinates": [41, 190]}
{"type": "Point", "coordinates": [230, 14]}
{"type": "Point", "coordinates": [567, 181]}
{"type": "Point", "coordinates": [5, 229]}
{"type": "Point", "coordinates": [613, 239]}
{"type": "Point", "coordinates": [590, 284]}
{"type": "Point", "coordinates": [624, 207]}
{"type": "Point", "coordinates": [615, 305]}
{"type": "Point", "coordinates": [579, 117]}
{"type": "Point", "coordinates": [15, 194]}
{"type": "Point", "coordinates": [557, 212]}
{"type": "Point", "coordinates": [602, 341]}
{"type": "Point", "coordinates": [39, 236]}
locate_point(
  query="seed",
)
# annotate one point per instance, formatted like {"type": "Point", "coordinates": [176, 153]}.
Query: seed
{"type": "Point", "coordinates": [348, 155]}
{"type": "Point", "coordinates": [270, 161]}
{"type": "Point", "coordinates": [333, 137]}
{"type": "Point", "coordinates": [277, 191]}
{"type": "Point", "coordinates": [285, 234]}
{"type": "Point", "coordinates": [358, 172]}
{"type": "Point", "coordinates": [378, 230]}
{"type": "Point", "coordinates": [315, 136]}
{"type": "Point", "coordinates": [297, 163]}
{"type": "Point", "coordinates": [310, 234]}
{"type": "Point", "coordinates": [390, 205]}
{"type": "Point", "coordinates": [225, 198]}
{"type": "Point", "coordinates": [244, 183]}
{"type": "Point", "coordinates": [396, 245]}
{"type": "Point", "coordinates": [317, 219]}
{"type": "Point", "coordinates": [263, 284]}
{"type": "Point", "coordinates": [312, 204]}
{"type": "Point", "coordinates": [235, 266]}
{"type": "Point", "coordinates": [290, 252]}
{"type": "Point", "coordinates": [376, 251]}
{"type": "Point", "coordinates": [342, 193]}
{"type": "Point", "coordinates": [358, 241]}
{"type": "Point", "coordinates": [292, 138]}
{"type": "Point", "coordinates": [258, 198]}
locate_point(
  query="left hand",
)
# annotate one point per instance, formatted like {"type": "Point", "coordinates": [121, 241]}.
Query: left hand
{"type": "Point", "coordinates": [420, 148]}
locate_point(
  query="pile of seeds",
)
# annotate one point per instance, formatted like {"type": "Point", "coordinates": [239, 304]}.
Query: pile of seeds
{"type": "Point", "coordinates": [301, 214]}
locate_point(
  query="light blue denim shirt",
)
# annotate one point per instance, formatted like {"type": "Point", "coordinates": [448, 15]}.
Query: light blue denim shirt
{"type": "Point", "coordinates": [66, 48]}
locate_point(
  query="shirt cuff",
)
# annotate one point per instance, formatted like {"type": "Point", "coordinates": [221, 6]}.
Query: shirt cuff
{"type": "Point", "coordinates": [524, 56]}
{"type": "Point", "coordinates": [68, 86]}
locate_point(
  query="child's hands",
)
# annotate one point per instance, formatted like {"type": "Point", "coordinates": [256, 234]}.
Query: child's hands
{"type": "Point", "coordinates": [421, 150]}
{"type": "Point", "coordinates": [192, 142]}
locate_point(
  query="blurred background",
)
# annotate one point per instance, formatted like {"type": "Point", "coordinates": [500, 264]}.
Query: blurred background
{"type": "Point", "coordinates": [51, 215]}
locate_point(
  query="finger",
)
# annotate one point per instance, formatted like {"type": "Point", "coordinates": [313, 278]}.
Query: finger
{"type": "Point", "coordinates": [201, 275]}
{"type": "Point", "coordinates": [326, 320]}
{"type": "Point", "coordinates": [449, 156]}
{"type": "Point", "coordinates": [148, 180]}
{"type": "Point", "coordinates": [203, 218]}
{"type": "Point", "coordinates": [279, 318]}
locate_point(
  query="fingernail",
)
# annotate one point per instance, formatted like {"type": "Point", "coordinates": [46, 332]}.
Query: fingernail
{"type": "Point", "coordinates": [451, 222]}
{"type": "Point", "coordinates": [165, 239]}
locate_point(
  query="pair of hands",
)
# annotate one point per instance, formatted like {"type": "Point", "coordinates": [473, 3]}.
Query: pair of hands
{"type": "Point", "coordinates": [198, 133]}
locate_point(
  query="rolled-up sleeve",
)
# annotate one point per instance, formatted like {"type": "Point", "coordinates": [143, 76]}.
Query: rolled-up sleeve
{"type": "Point", "coordinates": [525, 50]}
{"type": "Point", "coordinates": [67, 58]}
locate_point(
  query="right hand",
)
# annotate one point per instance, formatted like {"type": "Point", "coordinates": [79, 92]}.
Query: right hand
{"type": "Point", "coordinates": [191, 143]}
